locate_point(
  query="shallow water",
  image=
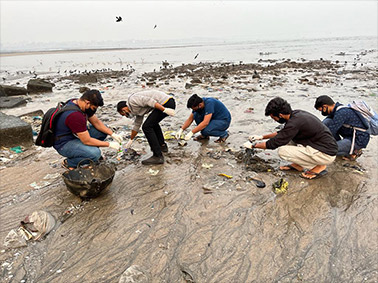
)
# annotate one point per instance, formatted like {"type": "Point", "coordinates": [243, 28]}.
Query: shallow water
{"type": "Point", "coordinates": [189, 223]}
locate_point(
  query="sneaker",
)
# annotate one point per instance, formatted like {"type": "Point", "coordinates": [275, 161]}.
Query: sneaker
{"type": "Point", "coordinates": [164, 148]}
{"type": "Point", "coordinates": [153, 160]}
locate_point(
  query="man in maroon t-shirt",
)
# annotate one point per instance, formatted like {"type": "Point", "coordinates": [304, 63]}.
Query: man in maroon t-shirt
{"type": "Point", "coordinates": [74, 140]}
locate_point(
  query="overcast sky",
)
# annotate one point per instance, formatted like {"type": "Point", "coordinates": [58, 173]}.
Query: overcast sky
{"type": "Point", "coordinates": [62, 21]}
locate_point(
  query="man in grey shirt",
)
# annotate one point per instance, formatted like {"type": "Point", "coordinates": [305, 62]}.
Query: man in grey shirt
{"type": "Point", "coordinates": [159, 105]}
{"type": "Point", "coordinates": [313, 145]}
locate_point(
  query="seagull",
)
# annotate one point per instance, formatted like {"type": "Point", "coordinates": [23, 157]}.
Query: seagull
{"type": "Point", "coordinates": [195, 57]}
{"type": "Point", "coordinates": [118, 19]}
{"type": "Point", "coordinates": [155, 26]}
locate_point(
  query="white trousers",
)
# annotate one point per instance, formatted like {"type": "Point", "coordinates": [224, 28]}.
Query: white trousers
{"type": "Point", "coordinates": [306, 157]}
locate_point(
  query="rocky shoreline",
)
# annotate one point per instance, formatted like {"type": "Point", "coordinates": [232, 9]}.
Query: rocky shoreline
{"type": "Point", "coordinates": [183, 221]}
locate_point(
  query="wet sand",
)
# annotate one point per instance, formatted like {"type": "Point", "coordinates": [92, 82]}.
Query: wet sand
{"type": "Point", "coordinates": [187, 223]}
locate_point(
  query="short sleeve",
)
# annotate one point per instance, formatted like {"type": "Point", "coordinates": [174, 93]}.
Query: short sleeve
{"type": "Point", "coordinates": [77, 122]}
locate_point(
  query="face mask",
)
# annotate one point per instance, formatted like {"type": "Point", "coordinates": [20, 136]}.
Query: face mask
{"type": "Point", "coordinates": [325, 113]}
{"type": "Point", "coordinates": [90, 112]}
{"type": "Point", "coordinates": [281, 121]}
{"type": "Point", "coordinates": [129, 115]}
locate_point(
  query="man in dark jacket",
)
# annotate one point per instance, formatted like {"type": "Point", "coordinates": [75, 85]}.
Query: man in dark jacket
{"type": "Point", "coordinates": [339, 120]}
{"type": "Point", "coordinates": [72, 137]}
{"type": "Point", "coordinates": [314, 146]}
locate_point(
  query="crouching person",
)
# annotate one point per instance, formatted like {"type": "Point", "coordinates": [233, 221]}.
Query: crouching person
{"type": "Point", "coordinates": [341, 120]}
{"type": "Point", "coordinates": [313, 145]}
{"type": "Point", "coordinates": [72, 137]}
{"type": "Point", "coordinates": [141, 103]}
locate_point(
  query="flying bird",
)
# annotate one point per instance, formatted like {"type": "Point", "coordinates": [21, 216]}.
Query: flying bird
{"type": "Point", "coordinates": [155, 26]}
{"type": "Point", "coordinates": [195, 57]}
{"type": "Point", "coordinates": [118, 19]}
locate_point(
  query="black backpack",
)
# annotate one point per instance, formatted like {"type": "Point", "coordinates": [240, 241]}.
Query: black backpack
{"type": "Point", "coordinates": [46, 136]}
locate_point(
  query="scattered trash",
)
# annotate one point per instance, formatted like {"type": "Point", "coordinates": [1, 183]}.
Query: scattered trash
{"type": "Point", "coordinates": [39, 185]}
{"type": "Point", "coordinates": [51, 176]}
{"type": "Point", "coordinates": [207, 166]}
{"type": "Point", "coordinates": [259, 183]}
{"type": "Point", "coordinates": [280, 187]}
{"type": "Point", "coordinates": [153, 172]}
{"type": "Point", "coordinates": [169, 135]}
{"type": "Point", "coordinates": [134, 274]}
{"type": "Point", "coordinates": [359, 169]}
{"type": "Point", "coordinates": [38, 224]}
{"type": "Point", "coordinates": [15, 239]}
{"type": "Point", "coordinates": [16, 149]}
{"type": "Point", "coordinates": [182, 143]}
{"type": "Point", "coordinates": [207, 189]}
{"type": "Point", "coordinates": [225, 175]}
{"type": "Point", "coordinates": [249, 110]}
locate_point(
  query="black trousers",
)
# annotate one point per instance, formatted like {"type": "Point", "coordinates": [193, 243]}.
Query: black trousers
{"type": "Point", "coordinates": [152, 130]}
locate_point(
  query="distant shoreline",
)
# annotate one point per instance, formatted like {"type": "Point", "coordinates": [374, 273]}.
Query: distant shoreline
{"type": "Point", "coordinates": [77, 50]}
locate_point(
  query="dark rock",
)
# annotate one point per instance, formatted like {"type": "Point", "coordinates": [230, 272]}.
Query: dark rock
{"type": "Point", "coordinates": [87, 79]}
{"type": "Point", "coordinates": [188, 85]}
{"type": "Point", "coordinates": [195, 81]}
{"type": "Point", "coordinates": [33, 113]}
{"type": "Point", "coordinates": [14, 131]}
{"type": "Point", "coordinates": [7, 90]}
{"type": "Point", "coordinates": [11, 102]}
{"type": "Point", "coordinates": [83, 89]}
{"type": "Point", "coordinates": [39, 85]}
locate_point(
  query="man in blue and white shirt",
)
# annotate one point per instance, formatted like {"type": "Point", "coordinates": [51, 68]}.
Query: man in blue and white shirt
{"type": "Point", "coordinates": [340, 120]}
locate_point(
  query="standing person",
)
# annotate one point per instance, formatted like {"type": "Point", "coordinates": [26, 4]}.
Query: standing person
{"type": "Point", "coordinates": [314, 147]}
{"type": "Point", "coordinates": [141, 103]}
{"type": "Point", "coordinates": [211, 116]}
{"type": "Point", "coordinates": [72, 137]}
{"type": "Point", "coordinates": [339, 120]}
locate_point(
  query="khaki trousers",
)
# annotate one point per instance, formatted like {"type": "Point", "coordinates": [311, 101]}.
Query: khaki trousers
{"type": "Point", "coordinates": [307, 157]}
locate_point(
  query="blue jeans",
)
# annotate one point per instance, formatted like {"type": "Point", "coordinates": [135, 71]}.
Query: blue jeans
{"type": "Point", "coordinates": [343, 144]}
{"type": "Point", "coordinates": [75, 150]}
{"type": "Point", "coordinates": [216, 128]}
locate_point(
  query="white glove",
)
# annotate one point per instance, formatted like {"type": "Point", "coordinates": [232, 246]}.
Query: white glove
{"type": "Point", "coordinates": [189, 136]}
{"type": "Point", "coordinates": [117, 138]}
{"type": "Point", "coordinates": [248, 145]}
{"type": "Point", "coordinates": [255, 138]}
{"type": "Point", "coordinates": [114, 145]}
{"type": "Point", "coordinates": [129, 143]}
{"type": "Point", "coordinates": [169, 111]}
{"type": "Point", "coordinates": [178, 134]}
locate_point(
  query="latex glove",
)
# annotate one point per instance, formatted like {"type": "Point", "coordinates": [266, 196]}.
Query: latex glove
{"type": "Point", "coordinates": [255, 138]}
{"type": "Point", "coordinates": [189, 136]}
{"type": "Point", "coordinates": [114, 145]}
{"type": "Point", "coordinates": [117, 138]}
{"type": "Point", "coordinates": [169, 111]}
{"type": "Point", "coordinates": [129, 143]}
{"type": "Point", "coordinates": [178, 134]}
{"type": "Point", "coordinates": [248, 145]}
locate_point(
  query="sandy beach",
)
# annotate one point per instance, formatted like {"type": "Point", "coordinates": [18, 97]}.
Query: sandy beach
{"type": "Point", "coordinates": [186, 223]}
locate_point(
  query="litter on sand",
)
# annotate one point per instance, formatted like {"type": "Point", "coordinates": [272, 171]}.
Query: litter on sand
{"type": "Point", "coordinates": [225, 175]}
{"type": "Point", "coordinates": [169, 135]}
{"type": "Point", "coordinates": [280, 187]}
{"type": "Point", "coordinates": [207, 166]}
{"type": "Point", "coordinates": [16, 149]}
{"type": "Point", "coordinates": [153, 172]}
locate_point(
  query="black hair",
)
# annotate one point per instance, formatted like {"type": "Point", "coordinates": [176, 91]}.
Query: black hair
{"type": "Point", "coordinates": [93, 96]}
{"type": "Point", "coordinates": [194, 101]}
{"type": "Point", "coordinates": [277, 106]}
{"type": "Point", "coordinates": [323, 100]}
{"type": "Point", "coordinates": [120, 105]}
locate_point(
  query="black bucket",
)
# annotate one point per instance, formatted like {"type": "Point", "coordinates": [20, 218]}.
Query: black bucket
{"type": "Point", "coordinates": [89, 182]}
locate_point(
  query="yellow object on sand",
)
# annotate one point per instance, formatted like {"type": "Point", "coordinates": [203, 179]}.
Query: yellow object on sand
{"type": "Point", "coordinates": [225, 175]}
{"type": "Point", "coordinates": [169, 135]}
